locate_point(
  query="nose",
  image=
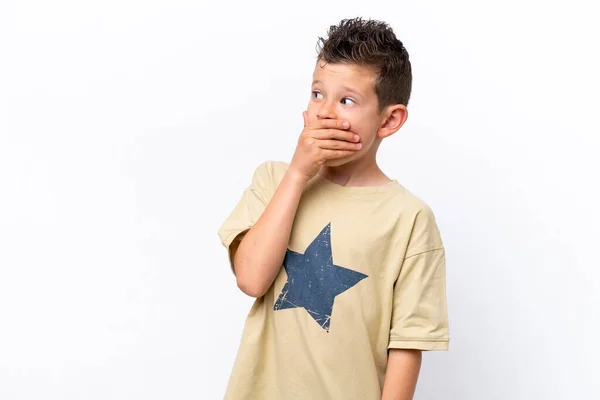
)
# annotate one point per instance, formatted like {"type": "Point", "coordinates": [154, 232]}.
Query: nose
{"type": "Point", "coordinates": [326, 111]}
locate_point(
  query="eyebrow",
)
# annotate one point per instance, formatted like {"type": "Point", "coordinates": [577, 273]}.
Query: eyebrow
{"type": "Point", "coordinates": [346, 88]}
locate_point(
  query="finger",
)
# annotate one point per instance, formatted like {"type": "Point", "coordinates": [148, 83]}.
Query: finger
{"type": "Point", "coordinates": [333, 124]}
{"type": "Point", "coordinates": [335, 134]}
{"type": "Point", "coordinates": [331, 154]}
{"type": "Point", "coordinates": [338, 145]}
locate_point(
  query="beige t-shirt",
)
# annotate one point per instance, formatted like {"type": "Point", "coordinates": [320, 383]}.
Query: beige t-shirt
{"type": "Point", "coordinates": [364, 272]}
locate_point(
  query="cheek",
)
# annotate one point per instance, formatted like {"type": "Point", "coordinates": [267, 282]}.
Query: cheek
{"type": "Point", "coordinates": [359, 129]}
{"type": "Point", "coordinates": [367, 134]}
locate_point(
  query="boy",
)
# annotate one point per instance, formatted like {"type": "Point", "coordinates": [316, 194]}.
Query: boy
{"type": "Point", "coordinates": [346, 265]}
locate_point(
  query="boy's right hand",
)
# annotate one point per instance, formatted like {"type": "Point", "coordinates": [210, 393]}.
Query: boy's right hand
{"type": "Point", "coordinates": [326, 139]}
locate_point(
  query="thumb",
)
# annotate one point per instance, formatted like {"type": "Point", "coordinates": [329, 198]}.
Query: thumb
{"type": "Point", "coordinates": [305, 118]}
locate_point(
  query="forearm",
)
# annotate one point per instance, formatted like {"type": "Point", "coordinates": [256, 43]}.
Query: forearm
{"type": "Point", "coordinates": [260, 254]}
{"type": "Point", "coordinates": [401, 374]}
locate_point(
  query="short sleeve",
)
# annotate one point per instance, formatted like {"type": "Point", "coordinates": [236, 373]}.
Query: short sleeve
{"type": "Point", "coordinates": [249, 208]}
{"type": "Point", "coordinates": [420, 313]}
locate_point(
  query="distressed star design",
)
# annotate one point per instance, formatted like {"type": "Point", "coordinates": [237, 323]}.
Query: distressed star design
{"type": "Point", "coordinates": [314, 281]}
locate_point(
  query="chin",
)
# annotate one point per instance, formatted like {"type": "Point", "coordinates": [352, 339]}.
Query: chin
{"type": "Point", "coordinates": [339, 161]}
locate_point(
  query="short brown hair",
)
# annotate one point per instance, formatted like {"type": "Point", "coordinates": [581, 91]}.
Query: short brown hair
{"type": "Point", "coordinates": [373, 44]}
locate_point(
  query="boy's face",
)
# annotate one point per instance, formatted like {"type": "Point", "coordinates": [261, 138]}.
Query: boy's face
{"type": "Point", "coordinates": [346, 92]}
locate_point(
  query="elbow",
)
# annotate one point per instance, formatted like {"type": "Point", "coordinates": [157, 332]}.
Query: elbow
{"type": "Point", "coordinates": [247, 281]}
{"type": "Point", "coordinates": [251, 288]}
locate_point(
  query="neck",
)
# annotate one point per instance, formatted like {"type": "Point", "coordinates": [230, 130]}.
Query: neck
{"type": "Point", "coordinates": [360, 172]}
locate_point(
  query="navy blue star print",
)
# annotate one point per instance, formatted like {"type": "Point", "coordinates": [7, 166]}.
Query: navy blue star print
{"type": "Point", "coordinates": [314, 281]}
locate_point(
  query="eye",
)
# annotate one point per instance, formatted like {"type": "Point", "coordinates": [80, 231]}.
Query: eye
{"type": "Point", "coordinates": [349, 99]}
{"type": "Point", "coordinates": [316, 94]}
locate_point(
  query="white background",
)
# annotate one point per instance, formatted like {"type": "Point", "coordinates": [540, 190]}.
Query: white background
{"type": "Point", "coordinates": [129, 130]}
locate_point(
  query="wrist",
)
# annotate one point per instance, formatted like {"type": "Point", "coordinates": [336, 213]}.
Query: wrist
{"type": "Point", "coordinates": [296, 177]}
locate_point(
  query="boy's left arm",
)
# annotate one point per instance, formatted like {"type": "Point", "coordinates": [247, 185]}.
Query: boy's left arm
{"type": "Point", "coordinates": [419, 313]}
{"type": "Point", "coordinates": [402, 372]}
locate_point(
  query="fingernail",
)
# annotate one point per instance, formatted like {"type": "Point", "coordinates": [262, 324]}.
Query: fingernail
{"type": "Point", "coordinates": [356, 137]}
{"type": "Point", "coordinates": [345, 124]}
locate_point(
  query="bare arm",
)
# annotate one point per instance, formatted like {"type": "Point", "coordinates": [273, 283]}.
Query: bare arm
{"type": "Point", "coordinates": [402, 373]}
{"type": "Point", "coordinates": [260, 254]}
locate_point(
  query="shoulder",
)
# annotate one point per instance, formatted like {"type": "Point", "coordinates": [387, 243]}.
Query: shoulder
{"type": "Point", "coordinates": [277, 169]}
{"type": "Point", "coordinates": [414, 205]}
{"type": "Point", "coordinates": [424, 232]}
{"type": "Point", "coordinates": [271, 167]}
{"type": "Point", "coordinates": [272, 170]}
{"type": "Point", "coordinates": [268, 174]}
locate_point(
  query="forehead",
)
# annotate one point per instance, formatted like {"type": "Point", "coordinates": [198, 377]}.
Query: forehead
{"type": "Point", "coordinates": [361, 77]}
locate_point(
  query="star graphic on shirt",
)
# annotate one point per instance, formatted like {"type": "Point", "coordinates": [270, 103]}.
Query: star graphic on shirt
{"type": "Point", "coordinates": [314, 281]}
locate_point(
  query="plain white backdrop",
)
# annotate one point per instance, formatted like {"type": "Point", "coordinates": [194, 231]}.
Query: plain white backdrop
{"type": "Point", "coordinates": [129, 130]}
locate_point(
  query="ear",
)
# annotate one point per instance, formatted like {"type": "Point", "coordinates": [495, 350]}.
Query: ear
{"type": "Point", "coordinates": [394, 117]}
